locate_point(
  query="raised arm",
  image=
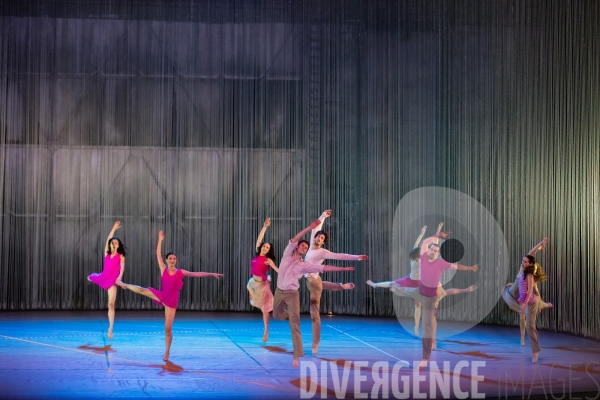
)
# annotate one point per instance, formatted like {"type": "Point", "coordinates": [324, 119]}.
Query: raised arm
{"type": "Point", "coordinates": [161, 264]}
{"type": "Point", "coordinates": [433, 239]}
{"type": "Point", "coordinates": [538, 247]}
{"type": "Point", "coordinates": [326, 214]}
{"type": "Point", "coordinates": [200, 274]}
{"type": "Point", "coordinates": [261, 235]}
{"type": "Point", "coordinates": [116, 226]}
{"type": "Point", "coordinates": [303, 232]}
{"type": "Point", "coordinates": [418, 241]}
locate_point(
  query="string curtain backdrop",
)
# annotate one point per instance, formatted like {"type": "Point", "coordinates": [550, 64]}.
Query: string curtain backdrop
{"type": "Point", "coordinates": [203, 118]}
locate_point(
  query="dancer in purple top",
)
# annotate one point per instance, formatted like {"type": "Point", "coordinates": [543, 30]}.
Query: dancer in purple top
{"type": "Point", "coordinates": [258, 286]}
{"type": "Point", "coordinates": [114, 265]}
{"type": "Point", "coordinates": [171, 283]}
{"type": "Point", "coordinates": [511, 293]}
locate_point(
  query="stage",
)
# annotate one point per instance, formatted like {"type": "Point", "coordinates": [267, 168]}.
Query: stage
{"type": "Point", "coordinates": [51, 354]}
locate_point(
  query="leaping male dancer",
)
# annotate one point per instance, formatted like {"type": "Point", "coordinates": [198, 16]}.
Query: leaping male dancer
{"type": "Point", "coordinates": [317, 254]}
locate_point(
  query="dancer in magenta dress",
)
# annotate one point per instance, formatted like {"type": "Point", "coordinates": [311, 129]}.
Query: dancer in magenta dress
{"type": "Point", "coordinates": [258, 286]}
{"type": "Point", "coordinates": [171, 281]}
{"type": "Point", "coordinates": [114, 265]}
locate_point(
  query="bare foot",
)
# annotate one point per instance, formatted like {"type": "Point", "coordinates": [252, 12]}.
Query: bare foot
{"type": "Point", "coordinates": [433, 344]}
{"type": "Point", "coordinates": [535, 358]}
{"type": "Point", "coordinates": [166, 357]}
{"type": "Point", "coordinates": [416, 331]}
{"type": "Point", "coordinates": [295, 363]}
{"type": "Point", "coordinates": [265, 336]}
{"type": "Point", "coordinates": [471, 288]}
{"type": "Point", "coordinates": [423, 364]}
{"type": "Point", "coordinates": [370, 283]}
{"type": "Point", "coordinates": [348, 286]}
{"type": "Point", "coordinates": [315, 348]}
{"type": "Point", "coordinates": [522, 342]}
{"type": "Point", "coordinates": [110, 334]}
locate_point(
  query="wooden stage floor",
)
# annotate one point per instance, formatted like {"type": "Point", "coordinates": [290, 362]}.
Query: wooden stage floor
{"type": "Point", "coordinates": [51, 354]}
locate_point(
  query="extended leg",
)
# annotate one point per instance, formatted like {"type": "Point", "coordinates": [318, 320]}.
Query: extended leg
{"type": "Point", "coordinates": [112, 296]}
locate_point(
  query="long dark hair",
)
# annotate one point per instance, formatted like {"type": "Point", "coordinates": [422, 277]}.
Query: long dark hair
{"type": "Point", "coordinates": [415, 254]}
{"type": "Point", "coordinates": [270, 254]}
{"type": "Point", "coordinates": [120, 249]}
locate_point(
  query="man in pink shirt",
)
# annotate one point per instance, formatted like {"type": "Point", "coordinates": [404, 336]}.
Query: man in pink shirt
{"type": "Point", "coordinates": [427, 292]}
{"type": "Point", "coordinates": [286, 304]}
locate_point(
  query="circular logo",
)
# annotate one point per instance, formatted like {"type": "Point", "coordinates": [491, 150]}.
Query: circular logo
{"type": "Point", "coordinates": [475, 238]}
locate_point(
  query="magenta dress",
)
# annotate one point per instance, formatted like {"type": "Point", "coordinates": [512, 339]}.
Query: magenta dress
{"type": "Point", "coordinates": [110, 273]}
{"type": "Point", "coordinates": [170, 286]}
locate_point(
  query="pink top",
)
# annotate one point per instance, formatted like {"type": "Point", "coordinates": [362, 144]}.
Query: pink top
{"type": "Point", "coordinates": [110, 273]}
{"type": "Point", "coordinates": [292, 269]}
{"type": "Point", "coordinates": [431, 272]}
{"type": "Point", "coordinates": [259, 268]}
{"type": "Point", "coordinates": [170, 286]}
{"type": "Point", "coordinates": [523, 287]}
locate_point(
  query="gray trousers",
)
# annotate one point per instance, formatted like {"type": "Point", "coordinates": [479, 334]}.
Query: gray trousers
{"type": "Point", "coordinates": [315, 287]}
{"type": "Point", "coordinates": [286, 305]}
{"type": "Point", "coordinates": [427, 314]}
{"type": "Point", "coordinates": [533, 309]}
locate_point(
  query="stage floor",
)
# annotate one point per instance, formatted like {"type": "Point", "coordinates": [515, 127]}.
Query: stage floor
{"type": "Point", "coordinates": [220, 355]}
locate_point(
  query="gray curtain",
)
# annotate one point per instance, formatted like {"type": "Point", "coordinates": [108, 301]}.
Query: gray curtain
{"type": "Point", "coordinates": [203, 118]}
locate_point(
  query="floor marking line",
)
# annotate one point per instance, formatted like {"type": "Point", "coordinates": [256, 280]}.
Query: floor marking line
{"type": "Point", "coordinates": [239, 347]}
{"type": "Point", "coordinates": [148, 363]}
{"type": "Point", "coordinates": [363, 342]}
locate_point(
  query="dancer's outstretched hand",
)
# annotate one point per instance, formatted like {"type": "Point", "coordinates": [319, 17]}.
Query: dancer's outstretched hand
{"type": "Point", "coordinates": [117, 225]}
{"type": "Point", "coordinates": [327, 213]}
{"type": "Point", "coordinates": [475, 268]}
{"type": "Point", "coordinates": [161, 235]}
{"type": "Point", "coordinates": [443, 235]}
{"type": "Point", "coordinates": [217, 275]}
{"type": "Point", "coordinates": [267, 222]}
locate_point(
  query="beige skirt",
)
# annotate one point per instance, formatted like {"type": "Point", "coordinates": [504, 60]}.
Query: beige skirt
{"type": "Point", "coordinates": [260, 295]}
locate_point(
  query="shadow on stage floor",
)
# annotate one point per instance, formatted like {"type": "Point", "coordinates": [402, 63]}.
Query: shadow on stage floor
{"type": "Point", "coordinates": [220, 355]}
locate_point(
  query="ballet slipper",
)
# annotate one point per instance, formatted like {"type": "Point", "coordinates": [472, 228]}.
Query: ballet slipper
{"type": "Point", "coordinates": [370, 283]}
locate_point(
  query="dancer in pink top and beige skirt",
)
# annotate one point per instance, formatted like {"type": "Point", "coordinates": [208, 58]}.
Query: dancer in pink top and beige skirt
{"type": "Point", "coordinates": [114, 266]}
{"type": "Point", "coordinates": [171, 282]}
{"type": "Point", "coordinates": [259, 285]}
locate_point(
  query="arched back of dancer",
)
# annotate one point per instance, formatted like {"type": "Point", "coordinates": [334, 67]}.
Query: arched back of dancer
{"type": "Point", "coordinates": [317, 254]}
{"type": "Point", "coordinates": [292, 267]}
{"type": "Point", "coordinates": [511, 294]}
{"type": "Point", "coordinates": [529, 302]}
{"type": "Point", "coordinates": [114, 266]}
{"type": "Point", "coordinates": [171, 282]}
{"type": "Point", "coordinates": [258, 286]}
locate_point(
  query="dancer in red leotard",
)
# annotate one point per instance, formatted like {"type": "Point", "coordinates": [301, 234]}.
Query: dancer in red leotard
{"type": "Point", "coordinates": [171, 282]}
{"type": "Point", "coordinates": [114, 266]}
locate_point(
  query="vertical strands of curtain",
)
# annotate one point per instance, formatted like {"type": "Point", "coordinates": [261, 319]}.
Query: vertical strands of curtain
{"type": "Point", "coordinates": [203, 118]}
